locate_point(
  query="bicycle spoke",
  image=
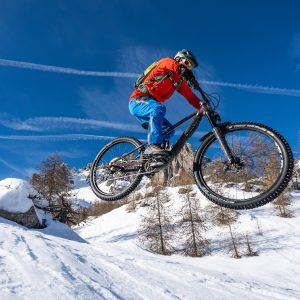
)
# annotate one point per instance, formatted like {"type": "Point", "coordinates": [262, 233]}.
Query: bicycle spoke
{"type": "Point", "coordinates": [260, 165]}
{"type": "Point", "coordinates": [117, 168]}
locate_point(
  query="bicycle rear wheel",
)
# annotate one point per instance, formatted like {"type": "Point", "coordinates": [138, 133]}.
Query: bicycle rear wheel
{"type": "Point", "coordinates": [115, 172]}
{"type": "Point", "coordinates": [263, 168]}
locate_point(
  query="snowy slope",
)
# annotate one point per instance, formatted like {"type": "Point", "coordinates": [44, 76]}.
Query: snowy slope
{"type": "Point", "coordinates": [275, 274]}
{"type": "Point", "coordinates": [101, 260]}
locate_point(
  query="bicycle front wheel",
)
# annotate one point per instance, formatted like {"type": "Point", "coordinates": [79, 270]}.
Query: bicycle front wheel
{"type": "Point", "coordinates": [263, 168]}
{"type": "Point", "coordinates": [115, 172]}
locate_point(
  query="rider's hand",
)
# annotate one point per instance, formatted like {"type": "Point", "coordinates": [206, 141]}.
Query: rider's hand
{"type": "Point", "coordinates": [186, 73]}
{"type": "Point", "coordinates": [203, 108]}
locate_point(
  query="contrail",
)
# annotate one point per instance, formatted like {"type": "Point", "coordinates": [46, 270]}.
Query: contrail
{"type": "Point", "coordinates": [12, 167]}
{"type": "Point", "coordinates": [55, 138]}
{"type": "Point", "coordinates": [248, 87]}
{"type": "Point", "coordinates": [50, 123]}
{"type": "Point", "coordinates": [46, 68]}
{"type": "Point", "coordinates": [256, 88]}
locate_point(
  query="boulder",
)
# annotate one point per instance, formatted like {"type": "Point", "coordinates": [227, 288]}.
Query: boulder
{"type": "Point", "coordinates": [15, 204]}
{"type": "Point", "coordinates": [28, 218]}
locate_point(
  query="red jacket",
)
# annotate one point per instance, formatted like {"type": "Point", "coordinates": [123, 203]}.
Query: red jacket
{"type": "Point", "coordinates": [165, 89]}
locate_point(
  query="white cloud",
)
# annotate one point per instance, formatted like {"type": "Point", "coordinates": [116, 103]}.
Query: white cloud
{"type": "Point", "coordinates": [55, 69]}
{"type": "Point", "coordinates": [63, 123]}
{"type": "Point", "coordinates": [19, 125]}
{"type": "Point", "coordinates": [141, 55]}
{"type": "Point", "coordinates": [296, 45]}
{"type": "Point", "coordinates": [137, 57]}
{"type": "Point", "coordinates": [256, 88]}
{"type": "Point", "coordinates": [111, 102]}
{"type": "Point", "coordinates": [12, 167]}
{"type": "Point", "coordinates": [55, 138]}
{"type": "Point", "coordinates": [295, 49]}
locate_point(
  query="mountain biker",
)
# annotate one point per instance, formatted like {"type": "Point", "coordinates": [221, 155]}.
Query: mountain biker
{"type": "Point", "coordinates": [146, 102]}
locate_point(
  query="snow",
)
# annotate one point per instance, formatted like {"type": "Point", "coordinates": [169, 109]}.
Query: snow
{"type": "Point", "coordinates": [101, 259]}
{"type": "Point", "coordinates": [82, 192]}
{"type": "Point", "coordinates": [14, 195]}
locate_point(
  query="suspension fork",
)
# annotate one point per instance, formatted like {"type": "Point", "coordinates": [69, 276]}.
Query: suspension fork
{"type": "Point", "coordinates": [221, 139]}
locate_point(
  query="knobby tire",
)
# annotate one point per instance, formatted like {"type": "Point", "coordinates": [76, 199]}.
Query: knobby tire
{"type": "Point", "coordinates": [259, 200]}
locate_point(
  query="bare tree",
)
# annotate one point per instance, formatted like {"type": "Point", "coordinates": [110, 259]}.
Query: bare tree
{"type": "Point", "coordinates": [233, 243]}
{"type": "Point", "coordinates": [271, 170]}
{"type": "Point", "coordinates": [156, 231]}
{"type": "Point", "coordinates": [283, 205]}
{"type": "Point", "coordinates": [54, 182]}
{"type": "Point", "coordinates": [225, 217]}
{"type": "Point", "coordinates": [296, 175]}
{"type": "Point", "coordinates": [192, 225]}
{"type": "Point", "coordinates": [249, 245]}
{"type": "Point", "coordinates": [258, 227]}
{"type": "Point", "coordinates": [221, 216]}
{"type": "Point", "coordinates": [132, 202]}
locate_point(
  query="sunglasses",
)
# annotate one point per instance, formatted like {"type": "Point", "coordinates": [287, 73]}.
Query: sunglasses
{"type": "Point", "coordinates": [188, 63]}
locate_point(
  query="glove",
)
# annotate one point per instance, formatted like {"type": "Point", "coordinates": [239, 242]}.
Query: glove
{"type": "Point", "coordinates": [186, 73]}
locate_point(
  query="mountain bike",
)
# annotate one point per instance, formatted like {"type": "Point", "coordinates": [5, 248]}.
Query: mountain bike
{"type": "Point", "coordinates": [237, 165]}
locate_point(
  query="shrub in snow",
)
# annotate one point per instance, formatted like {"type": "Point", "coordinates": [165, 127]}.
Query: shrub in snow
{"type": "Point", "coordinates": [100, 208]}
{"type": "Point", "coordinates": [283, 205]}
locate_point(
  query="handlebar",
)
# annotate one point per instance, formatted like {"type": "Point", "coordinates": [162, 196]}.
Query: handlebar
{"type": "Point", "coordinates": [197, 87]}
{"type": "Point", "coordinates": [208, 107]}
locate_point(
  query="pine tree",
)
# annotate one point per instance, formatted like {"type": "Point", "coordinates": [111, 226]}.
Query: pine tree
{"type": "Point", "coordinates": [192, 225]}
{"type": "Point", "coordinates": [155, 230]}
{"type": "Point", "coordinates": [221, 216]}
{"type": "Point", "coordinates": [233, 243]}
{"type": "Point", "coordinates": [225, 217]}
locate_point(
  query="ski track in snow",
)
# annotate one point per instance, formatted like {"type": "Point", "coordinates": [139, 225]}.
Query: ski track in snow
{"type": "Point", "coordinates": [102, 260]}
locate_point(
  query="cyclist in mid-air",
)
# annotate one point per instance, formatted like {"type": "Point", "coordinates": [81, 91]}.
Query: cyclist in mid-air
{"type": "Point", "coordinates": [157, 86]}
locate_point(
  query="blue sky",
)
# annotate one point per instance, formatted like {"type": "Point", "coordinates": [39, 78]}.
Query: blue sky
{"type": "Point", "coordinates": [249, 53]}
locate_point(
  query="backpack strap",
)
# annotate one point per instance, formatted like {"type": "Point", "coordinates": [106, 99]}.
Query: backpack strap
{"type": "Point", "coordinates": [176, 84]}
{"type": "Point", "coordinates": [143, 88]}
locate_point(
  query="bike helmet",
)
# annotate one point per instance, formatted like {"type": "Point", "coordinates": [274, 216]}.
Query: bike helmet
{"type": "Point", "coordinates": [188, 55]}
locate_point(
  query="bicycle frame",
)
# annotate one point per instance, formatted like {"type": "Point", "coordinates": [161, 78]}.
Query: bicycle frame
{"type": "Point", "coordinates": [193, 127]}
{"type": "Point", "coordinates": [207, 111]}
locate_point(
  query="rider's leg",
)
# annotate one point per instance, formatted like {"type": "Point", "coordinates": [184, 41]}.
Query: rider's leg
{"type": "Point", "coordinates": [153, 112]}
{"type": "Point", "coordinates": [166, 125]}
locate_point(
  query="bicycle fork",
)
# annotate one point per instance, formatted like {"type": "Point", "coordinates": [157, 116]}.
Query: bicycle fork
{"type": "Point", "coordinates": [222, 141]}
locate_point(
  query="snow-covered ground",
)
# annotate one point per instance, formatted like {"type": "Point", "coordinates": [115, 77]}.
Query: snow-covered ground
{"type": "Point", "coordinates": [14, 195]}
{"type": "Point", "coordinates": [102, 260]}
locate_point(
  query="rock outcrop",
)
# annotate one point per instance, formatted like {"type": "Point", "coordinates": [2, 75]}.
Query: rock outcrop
{"type": "Point", "coordinates": [180, 171]}
{"type": "Point", "coordinates": [15, 204]}
{"type": "Point", "coordinates": [28, 219]}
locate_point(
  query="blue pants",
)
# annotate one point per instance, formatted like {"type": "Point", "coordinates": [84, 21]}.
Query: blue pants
{"type": "Point", "coordinates": [147, 110]}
